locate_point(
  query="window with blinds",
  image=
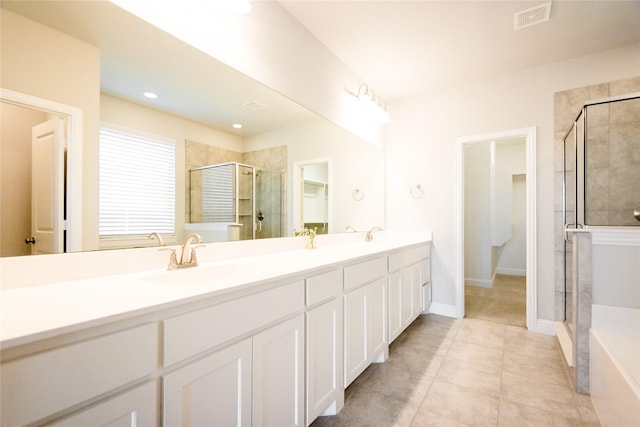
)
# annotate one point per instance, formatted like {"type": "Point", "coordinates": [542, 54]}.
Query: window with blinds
{"type": "Point", "coordinates": [137, 185]}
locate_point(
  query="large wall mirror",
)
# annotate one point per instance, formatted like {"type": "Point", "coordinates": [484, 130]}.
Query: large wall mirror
{"type": "Point", "coordinates": [199, 100]}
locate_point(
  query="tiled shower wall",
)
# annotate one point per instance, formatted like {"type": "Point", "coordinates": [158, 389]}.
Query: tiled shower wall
{"type": "Point", "coordinates": [273, 202]}
{"type": "Point", "coordinates": [613, 163]}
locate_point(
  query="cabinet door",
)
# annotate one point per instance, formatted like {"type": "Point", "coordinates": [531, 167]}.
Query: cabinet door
{"type": "Point", "coordinates": [278, 376]}
{"type": "Point", "coordinates": [324, 360]}
{"type": "Point", "coordinates": [416, 291]}
{"type": "Point", "coordinates": [365, 328]}
{"type": "Point", "coordinates": [214, 391]}
{"type": "Point", "coordinates": [135, 408]}
{"type": "Point", "coordinates": [377, 321]}
{"type": "Point", "coordinates": [395, 304]}
{"type": "Point", "coordinates": [407, 294]}
{"type": "Point", "coordinates": [356, 354]}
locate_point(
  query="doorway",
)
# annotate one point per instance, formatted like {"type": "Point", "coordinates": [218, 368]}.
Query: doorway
{"type": "Point", "coordinates": [312, 207]}
{"type": "Point", "coordinates": [73, 182]}
{"type": "Point", "coordinates": [496, 277]}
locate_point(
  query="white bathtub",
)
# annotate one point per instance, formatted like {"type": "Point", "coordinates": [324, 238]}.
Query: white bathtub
{"type": "Point", "coordinates": [615, 365]}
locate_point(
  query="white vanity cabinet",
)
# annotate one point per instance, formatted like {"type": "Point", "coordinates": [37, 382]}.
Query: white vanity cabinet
{"type": "Point", "coordinates": [49, 382]}
{"type": "Point", "coordinates": [276, 350]}
{"type": "Point", "coordinates": [408, 274]}
{"type": "Point", "coordinates": [324, 349]}
{"type": "Point", "coordinates": [365, 316]}
{"type": "Point", "coordinates": [258, 381]}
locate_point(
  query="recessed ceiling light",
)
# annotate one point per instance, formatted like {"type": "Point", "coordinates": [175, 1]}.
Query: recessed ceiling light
{"type": "Point", "coordinates": [237, 126]}
{"type": "Point", "coordinates": [150, 95]}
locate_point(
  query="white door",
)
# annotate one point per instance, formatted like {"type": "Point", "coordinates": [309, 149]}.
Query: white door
{"type": "Point", "coordinates": [47, 187]}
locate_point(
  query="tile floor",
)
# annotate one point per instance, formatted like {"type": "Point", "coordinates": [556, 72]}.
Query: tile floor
{"type": "Point", "coordinates": [465, 372]}
{"type": "Point", "coordinates": [505, 302]}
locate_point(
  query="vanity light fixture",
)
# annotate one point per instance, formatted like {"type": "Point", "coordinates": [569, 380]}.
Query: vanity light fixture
{"type": "Point", "coordinates": [150, 95]}
{"type": "Point", "coordinates": [372, 104]}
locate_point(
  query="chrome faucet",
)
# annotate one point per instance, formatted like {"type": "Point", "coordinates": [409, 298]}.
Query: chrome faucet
{"type": "Point", "coordinates": [369, 236]}
{"type": "Point", "coordinates": [349, 229]}
{"type": "Point", "coordinates": [188, 257]}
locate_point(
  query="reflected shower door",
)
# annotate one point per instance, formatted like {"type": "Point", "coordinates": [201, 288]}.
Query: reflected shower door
{"type": "Point", "coordinates": [269, 201]}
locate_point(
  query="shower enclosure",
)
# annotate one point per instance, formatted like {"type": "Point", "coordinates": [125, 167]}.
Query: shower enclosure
{"type": "Point", "coordinates": [242, 201]}
{"type": "Point", "coordinates": [601, 181]}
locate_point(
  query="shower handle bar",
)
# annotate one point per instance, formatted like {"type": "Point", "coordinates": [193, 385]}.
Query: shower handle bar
{"type": "Point", "coordinates": [577, 228]}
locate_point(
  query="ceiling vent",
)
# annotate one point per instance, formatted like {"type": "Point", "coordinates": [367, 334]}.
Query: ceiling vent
{"type": "Point", "coordinates": [254, 105]}
{"type": "Point", "coordinates": [535, 15]}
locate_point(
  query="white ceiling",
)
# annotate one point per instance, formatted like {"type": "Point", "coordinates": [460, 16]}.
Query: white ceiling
{"type": "Point", "coordinates": [405, 47]}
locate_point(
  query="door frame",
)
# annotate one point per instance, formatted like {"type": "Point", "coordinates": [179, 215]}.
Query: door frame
{"type": "Point", "coordinates": [298, 198]}
{"type": "Point", "coordinates": [73, 200]}
{"type": "Point", "coordinates": [529, 133]}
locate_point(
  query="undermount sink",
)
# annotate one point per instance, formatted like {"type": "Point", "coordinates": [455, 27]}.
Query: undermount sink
{"type": "Point", "coordinates": [195, 275]}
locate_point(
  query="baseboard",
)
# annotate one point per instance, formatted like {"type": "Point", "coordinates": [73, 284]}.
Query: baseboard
{"type": "Point", "coordinates": [511, 271]}
{"type": "Point", "coordinates": [545, 327]}
{"type": "Point", "coordinates": [448, 310]}
{"type": "Point", "coordinates": [478, 282]}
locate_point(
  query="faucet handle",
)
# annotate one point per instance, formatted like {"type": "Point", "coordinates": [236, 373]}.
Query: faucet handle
{"type": "Point", "coordinates": [173, 259]}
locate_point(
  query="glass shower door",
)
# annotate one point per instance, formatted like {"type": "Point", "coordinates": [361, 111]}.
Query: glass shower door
{"type": "Point", "coordinates": [269, 201]}
{"type": "Point", "coordinates": [573, 208]}
{"type": "Point", "coordinates": [569, 219]}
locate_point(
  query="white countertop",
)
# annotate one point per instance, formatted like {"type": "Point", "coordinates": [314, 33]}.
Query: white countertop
{"type": "Point", "coordinates": [31, 313]}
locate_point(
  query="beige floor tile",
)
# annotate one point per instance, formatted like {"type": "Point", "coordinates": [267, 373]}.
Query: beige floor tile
{"type": "Point", "coordinates": [476, 354]}
{"type": "Point", "coordinates": [426, 418]}
{"type": "Point", "coordinates": [455, 372]}
{"type": "Point", "coordinates": [482, 332]}
{"type": "Point", "coordinates": [516, 414]}
{"type": "Point", "coordinates": [394, 380]}
{"type": "Point", "coordinates": [537, 392]}
{"type": "Point", "coordinates": [477, 377]}
{"type": "Point", "coordinates": [461, 404]}
{"type": "Point", "coordinates": [504, 302]}
{"type": "Point", "coordinates": [529, 365]}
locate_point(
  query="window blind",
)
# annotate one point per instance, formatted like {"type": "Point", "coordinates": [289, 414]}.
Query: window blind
{"type": "Point", "coordinates": [218, 194]}
{"type": "Point", "coordinates": [137, 184]}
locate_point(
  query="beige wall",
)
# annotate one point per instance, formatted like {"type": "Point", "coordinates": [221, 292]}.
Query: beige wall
{"type": "Point", "coordinates": [15, 177]}
{"type": "Point", "coordinates": [41, 62]}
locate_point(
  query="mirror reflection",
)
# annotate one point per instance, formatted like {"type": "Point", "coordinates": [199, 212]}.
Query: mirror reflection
{"type": "Point", "coordinates": [198, 100]}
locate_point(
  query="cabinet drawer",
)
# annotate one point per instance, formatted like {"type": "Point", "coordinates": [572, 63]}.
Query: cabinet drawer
{"type": "Point", "coordinates": [41, 385]}
{"type": "Point", "coordinates": [364, 272]}
{"type": "Point", "coordinates": [400, 260]}
{"type": "Point", "coordinates": [137, 407]}
{"type": "Point", "coordinates": [195, 332]}
{"type": "Point", "coordinates": [323, 287]}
